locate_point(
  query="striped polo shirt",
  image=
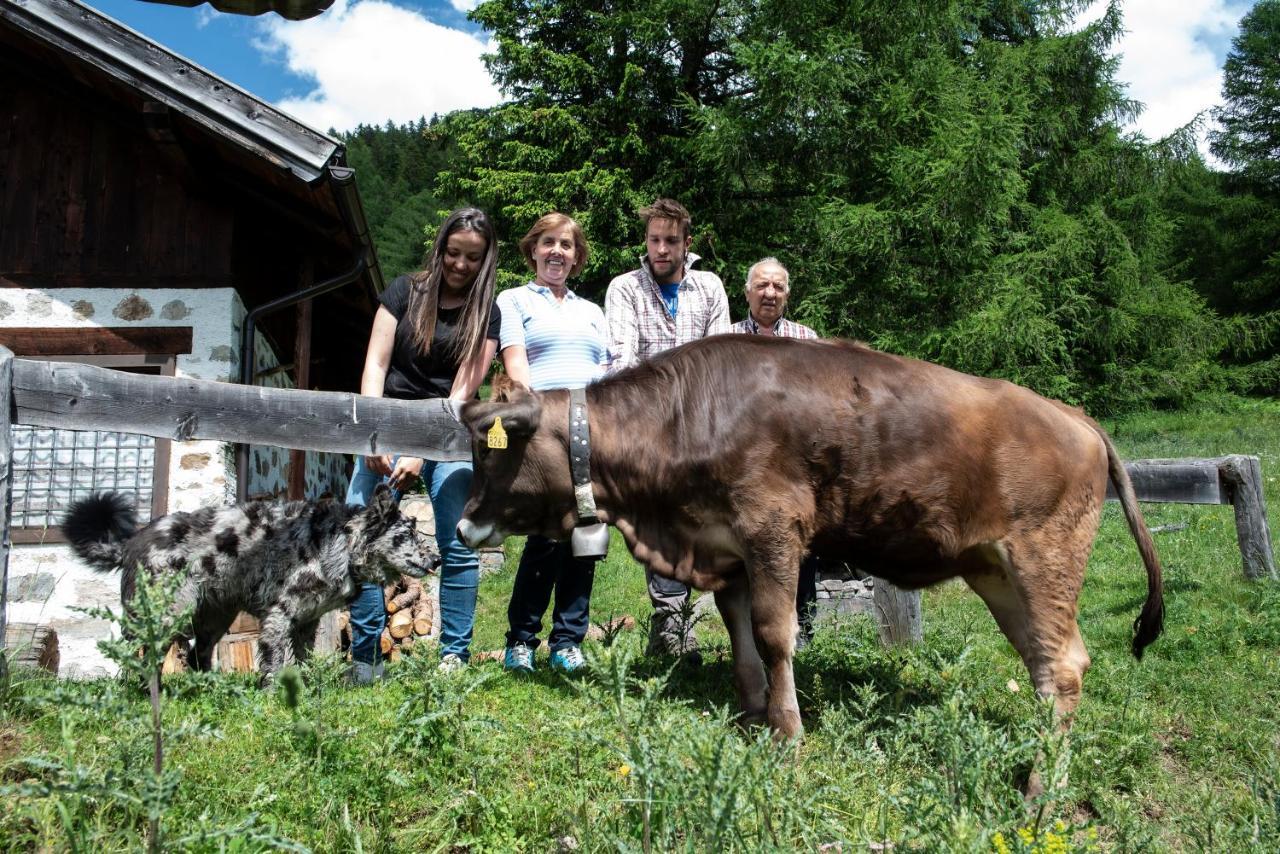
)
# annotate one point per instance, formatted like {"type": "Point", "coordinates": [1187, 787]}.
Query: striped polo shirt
{"type": "Point", "coordinates": [565, 341]}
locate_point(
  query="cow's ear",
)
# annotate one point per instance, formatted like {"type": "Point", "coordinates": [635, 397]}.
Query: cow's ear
{"type": "Point", "coordinates": [519, 417]}
{"type": "Point", "coordinates": [500, 390]}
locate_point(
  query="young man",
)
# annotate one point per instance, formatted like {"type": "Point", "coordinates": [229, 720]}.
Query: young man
{"type": "Point", "coordinates": [661, 305]}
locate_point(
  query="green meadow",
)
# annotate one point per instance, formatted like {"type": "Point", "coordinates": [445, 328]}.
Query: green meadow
{"type": "Point", "coordinates": [919, 749]}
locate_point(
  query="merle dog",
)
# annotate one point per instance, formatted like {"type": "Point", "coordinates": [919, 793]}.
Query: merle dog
{"type": "Point", "coordinates": [286, 563]}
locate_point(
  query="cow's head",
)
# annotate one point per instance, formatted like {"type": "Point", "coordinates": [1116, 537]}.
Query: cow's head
{"type": "Point", "coordinates": [525, 487]}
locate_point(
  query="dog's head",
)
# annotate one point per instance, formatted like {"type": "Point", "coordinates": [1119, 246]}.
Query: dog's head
{"type": "Point", "coordinates": [385, 543]}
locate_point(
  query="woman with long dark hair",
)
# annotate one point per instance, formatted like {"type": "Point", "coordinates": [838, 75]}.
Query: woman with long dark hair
{"type": "Point", "coordinates": [434, 335]}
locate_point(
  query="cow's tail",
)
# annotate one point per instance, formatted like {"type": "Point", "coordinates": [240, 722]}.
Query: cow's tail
{"type": "Point", "coordinates": [1146, 628]}
{"type": "Point", "coordinates": [97, 526]}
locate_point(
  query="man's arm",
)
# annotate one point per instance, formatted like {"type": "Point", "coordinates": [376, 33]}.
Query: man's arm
{"type": "Point", "coordinates": [718, 322]}
{"type": "Point", "coordinates": [620, 320]}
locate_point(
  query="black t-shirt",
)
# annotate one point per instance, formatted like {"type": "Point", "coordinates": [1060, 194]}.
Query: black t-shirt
{"type": "Point", "coordinates": [412, 375]}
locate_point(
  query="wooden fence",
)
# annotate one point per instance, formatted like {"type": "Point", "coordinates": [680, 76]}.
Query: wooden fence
{"type": "Point", "coordinates": [84, 397]}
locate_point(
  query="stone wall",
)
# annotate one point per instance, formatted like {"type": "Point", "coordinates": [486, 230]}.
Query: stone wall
{"type": "Point", "coordinates": [46, 583]}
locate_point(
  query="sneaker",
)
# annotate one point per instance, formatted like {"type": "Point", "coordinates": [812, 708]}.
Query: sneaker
{"type": "Point", "coordinates": [518, 658]}
{"type": "Point", "coordinates": [451, 663]}
{"type": "Point", "coordinates": [567, 660]}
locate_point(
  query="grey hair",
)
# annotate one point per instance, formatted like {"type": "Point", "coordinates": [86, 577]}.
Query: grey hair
{"type": "Point", "coordinates": [786, 274]}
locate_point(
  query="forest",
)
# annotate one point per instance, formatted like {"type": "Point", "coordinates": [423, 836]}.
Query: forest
{"type": "Point", "coordinates": [947, 179]}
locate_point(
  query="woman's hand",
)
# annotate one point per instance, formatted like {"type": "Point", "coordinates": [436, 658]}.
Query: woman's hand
{"type": "Point", "coordinates": [406, 471]}
{"type": "Point", "coordinates": [380, 464]}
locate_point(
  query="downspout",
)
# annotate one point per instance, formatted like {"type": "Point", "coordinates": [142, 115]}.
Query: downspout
{"type": "Point", "coordinates": [342, 182]}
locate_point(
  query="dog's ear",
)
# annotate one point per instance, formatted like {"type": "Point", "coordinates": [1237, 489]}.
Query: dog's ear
{"type": "Point", "coordinates": [383, 502]}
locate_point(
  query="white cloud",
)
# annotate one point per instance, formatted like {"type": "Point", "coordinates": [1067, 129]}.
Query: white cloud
{"type": "Point", "coordinates": [373, 61]}
{"type": "Point", "coordinates": [1171, 57]}
{"type": "Point", "coordinates": [464, 6]}
{"type": "Point", "coordinates": [205, 16]}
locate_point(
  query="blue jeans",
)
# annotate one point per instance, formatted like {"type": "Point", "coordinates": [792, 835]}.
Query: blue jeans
{"type": "Point", "coordinates": [447, 485]}
{"type": "Point", "coordinates": [545, 564]}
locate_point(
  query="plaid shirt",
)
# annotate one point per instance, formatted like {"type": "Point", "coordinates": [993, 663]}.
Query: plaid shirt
{"type": "Point", "coordinates": [783, 328]}
{"type": "Point", "coordinates": [639, 323]}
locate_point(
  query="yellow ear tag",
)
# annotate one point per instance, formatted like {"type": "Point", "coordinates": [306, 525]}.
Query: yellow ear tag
{"type": "Point", "coordinates": [497, 436]}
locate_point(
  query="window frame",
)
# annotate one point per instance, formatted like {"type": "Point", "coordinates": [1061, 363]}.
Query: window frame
{"type": "Point", "coordinates": [160, 365]}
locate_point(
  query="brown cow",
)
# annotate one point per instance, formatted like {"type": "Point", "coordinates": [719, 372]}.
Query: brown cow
{"type": "Point", "coordinates": [723, 461]}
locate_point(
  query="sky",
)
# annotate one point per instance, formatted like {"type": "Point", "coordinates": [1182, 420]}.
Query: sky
{"type": "Point", "coordinates": [373, 61]}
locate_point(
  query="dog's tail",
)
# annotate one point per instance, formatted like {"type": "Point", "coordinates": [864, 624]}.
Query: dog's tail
{"type": "Point", "coordinates": [97, 526]}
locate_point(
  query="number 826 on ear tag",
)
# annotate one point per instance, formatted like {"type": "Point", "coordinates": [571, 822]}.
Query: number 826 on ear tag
{"type": "Point", "coordinates": [497, 437]}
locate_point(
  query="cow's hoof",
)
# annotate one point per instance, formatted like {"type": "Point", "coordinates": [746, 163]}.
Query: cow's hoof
{"type": "Point", "coordinates": [786, 726]}
{"type": "Point", "coordinates": [752, 718]}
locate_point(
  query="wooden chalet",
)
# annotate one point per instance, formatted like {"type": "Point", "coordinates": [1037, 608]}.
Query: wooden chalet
{"type": "Point", "coordinates": [156, 218]}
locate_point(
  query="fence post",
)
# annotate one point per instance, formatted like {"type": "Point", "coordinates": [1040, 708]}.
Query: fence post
{"type": "Point", "coordinates": [6, 495]}
{"type": "Point", "coordinates": [1243, 476]}
{"type": "Point", "coordinates": [898, 616]}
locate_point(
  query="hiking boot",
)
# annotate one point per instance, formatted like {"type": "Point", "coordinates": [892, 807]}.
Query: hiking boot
{"type": "Point", "coordinates": [450, 663]}
{"type": "Point", "coordinates": [662, 644]}
{"type": "Point", "coordinates": [518, 658]}
{"type": "Point", "coordinates": [364, 673]}
{"type": "Point", "coordinates": [567, 659]}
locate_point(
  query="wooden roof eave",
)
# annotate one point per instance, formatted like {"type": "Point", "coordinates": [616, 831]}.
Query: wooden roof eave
{"type": "Point", "coordinates": [219, 106]}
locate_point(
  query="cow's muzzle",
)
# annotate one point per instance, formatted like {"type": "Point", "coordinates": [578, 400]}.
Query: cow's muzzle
{"type": "Point", "coordinates": [475, 536]}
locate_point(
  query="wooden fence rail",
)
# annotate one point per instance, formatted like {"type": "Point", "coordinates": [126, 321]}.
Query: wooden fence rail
{"type": "Point", "coordinates": [84, 397]}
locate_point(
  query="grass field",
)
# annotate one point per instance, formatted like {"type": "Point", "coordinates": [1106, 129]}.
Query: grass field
{"type": "Point", "coordinates": [922, 749]}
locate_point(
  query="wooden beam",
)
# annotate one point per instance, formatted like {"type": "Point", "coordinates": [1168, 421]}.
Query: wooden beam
{"type": "Point", "coordinates": [6, 497]}
{"type": "Point", "coordinates": [1234, 479]}
{"type": "Point", "coordinates": [36, 341]}
{"type": "Point", "coordinates": [1243, 475]}
{"type": "Point", "coordinates": [1176, 481]}
{"type": "Point", "coordinates": [898, 614]}
{"type": "Point", "coordinates": [297, 487]}
{"type": "Point", "coordinates": [85, 397]}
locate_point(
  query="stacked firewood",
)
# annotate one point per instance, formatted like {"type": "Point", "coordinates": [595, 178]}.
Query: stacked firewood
{"type": "Point", "coordinates": [411, 616]}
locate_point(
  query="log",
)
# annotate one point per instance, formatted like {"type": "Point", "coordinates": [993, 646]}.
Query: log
{"type": "Point", "coordinates": [412, 591]}
{"type": "Point", "coordinates": [87, 397]}
{"type": "Point", "coordinates": [386, 642]}
{"type": "Point", "coordinates": [32, 645]}
{"type": "Point", "coordinates": [328, 639]}
{"type": "Point", "coordinates": [389, 592]}
{"type": "Point", "coordinates": [244, 624]}
{"type": "Point", "coordinates": [237, 653]}
{"type": "Point", "coordinates": [394, 655]}
{"type": "Point", "coordinates": [175, 660]}
{"type": "Point", "coordinates": [898, 616]}
{"type": "Point", "coordinates": [1243, 476]}
{"type": "Point", "coordinates": [401, 624]}
{"type": "Point", "coordinates": [344, 622]}
{"type": "Point", "coordinates": [6, 501]}
{"type": "Point", "coordinates": [424, 614]}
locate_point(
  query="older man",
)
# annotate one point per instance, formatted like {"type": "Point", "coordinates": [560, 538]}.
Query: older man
{"type": "Point", "coordinates": [663, 304]}
{"type": "Point", "coordinates": [768, 286]}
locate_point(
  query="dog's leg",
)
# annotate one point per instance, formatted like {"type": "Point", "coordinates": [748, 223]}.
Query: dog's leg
{"type": "Point", "coordinates": [275, 644]}
{"type": "Point", "coordinates": [304, 639]}
{"type": "Point", "coordinates": [211, 625]}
